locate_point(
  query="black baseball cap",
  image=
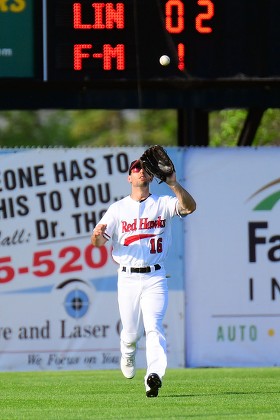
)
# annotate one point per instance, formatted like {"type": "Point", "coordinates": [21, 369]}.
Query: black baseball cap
{"type": "Point", "coordinates": [134, 164]}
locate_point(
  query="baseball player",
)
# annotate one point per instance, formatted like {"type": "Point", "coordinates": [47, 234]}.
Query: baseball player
{"type": "Point", "coordinates": [140, 230]}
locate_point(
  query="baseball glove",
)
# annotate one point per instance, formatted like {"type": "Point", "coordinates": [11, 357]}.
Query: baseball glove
{"type": "Point", "coordinates": [156, 162]}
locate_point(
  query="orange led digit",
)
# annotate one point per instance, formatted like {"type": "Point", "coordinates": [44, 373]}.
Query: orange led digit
{"type": "Point", "coordinates": [204, 16]}
{"type": "Point", "coordinates": [181, 57]}
{"type": "Point", "coordinates": [176, 24]}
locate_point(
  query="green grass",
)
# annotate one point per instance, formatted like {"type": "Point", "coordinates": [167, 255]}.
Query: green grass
{"type": "Point", "coordinates": [250, 393]}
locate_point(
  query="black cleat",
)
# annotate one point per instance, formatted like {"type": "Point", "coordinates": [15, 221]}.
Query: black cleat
{"type": "Point", "coordinates": [154, 382]}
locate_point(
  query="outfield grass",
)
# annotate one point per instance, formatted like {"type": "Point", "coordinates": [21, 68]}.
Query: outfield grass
{"type": "Point", "coordinates": [250, 393]}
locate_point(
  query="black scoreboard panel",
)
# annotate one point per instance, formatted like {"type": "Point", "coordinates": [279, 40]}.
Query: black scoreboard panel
{"type": "Point", "coordinates": [90, 53]}
{"type": "Point", "coordinates": [205, 39]}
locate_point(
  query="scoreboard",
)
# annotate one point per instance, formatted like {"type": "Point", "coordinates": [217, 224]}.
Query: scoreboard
{"type": "Point", "coordinates": [82, 45]}
{"type": "Point", "coordinates": [205, 39]}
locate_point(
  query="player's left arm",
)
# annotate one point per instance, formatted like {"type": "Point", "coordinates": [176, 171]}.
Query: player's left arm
{"type": "Point", "coordinates": [186, 203]}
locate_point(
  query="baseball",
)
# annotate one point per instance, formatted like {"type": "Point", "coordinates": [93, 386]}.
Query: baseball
{"type": "Point", "coordinates": [164, 60]}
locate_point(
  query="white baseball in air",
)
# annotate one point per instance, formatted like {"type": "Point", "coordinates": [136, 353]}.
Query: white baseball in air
{"type": "Point", "coordinates": [164, 60]}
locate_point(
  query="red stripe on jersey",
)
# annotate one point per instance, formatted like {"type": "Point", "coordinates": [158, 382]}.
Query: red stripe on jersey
{"type": "Point", "coordinates": [135, 238]}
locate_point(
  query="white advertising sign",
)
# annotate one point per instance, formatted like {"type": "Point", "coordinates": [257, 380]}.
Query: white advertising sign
{"type": "Point", "coordinates": [232, 257]}
{"type": "Point", "coordinates": [58, 302]}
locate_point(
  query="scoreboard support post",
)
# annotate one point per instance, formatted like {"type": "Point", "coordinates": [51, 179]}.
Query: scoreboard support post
{"type": "Point", "coordinates": [193, 127]}
{"type": "Point", "coordinates": [250, 126]}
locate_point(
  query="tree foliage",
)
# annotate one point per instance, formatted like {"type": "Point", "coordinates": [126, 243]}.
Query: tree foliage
{"type": "Point", "coordinates": [226, 125]}
{"type": "Point", "coordinates": [95, 128]}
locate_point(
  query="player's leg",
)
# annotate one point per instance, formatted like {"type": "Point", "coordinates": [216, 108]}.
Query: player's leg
{"type": "Point", "coordinates": [129, 291]}
{"type": "Point", "coordinates": [154, 304]}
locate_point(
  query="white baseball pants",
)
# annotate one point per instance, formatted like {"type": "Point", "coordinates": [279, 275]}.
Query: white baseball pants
{"type": "Point", "coordinates": [143, 300]}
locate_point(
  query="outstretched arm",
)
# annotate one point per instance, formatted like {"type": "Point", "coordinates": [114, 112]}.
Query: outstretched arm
{"type": "Point", "coordinates": [97, 237]}
{"type": "Point", "coordinates": [187, 204]}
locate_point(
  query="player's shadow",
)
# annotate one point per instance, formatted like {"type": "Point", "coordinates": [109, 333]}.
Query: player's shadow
{"type": "Point", "coordinates": [219, 393]}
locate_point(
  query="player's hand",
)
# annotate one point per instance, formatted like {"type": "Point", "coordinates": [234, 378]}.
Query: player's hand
{"type": "Point", "coordinates": [97, 237]}
{"type": "Point", "coordinates": [99, 230]}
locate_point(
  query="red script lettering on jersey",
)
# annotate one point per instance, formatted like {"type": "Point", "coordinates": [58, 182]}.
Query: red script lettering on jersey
{"type": "Point", "coordinates": [143, 223]}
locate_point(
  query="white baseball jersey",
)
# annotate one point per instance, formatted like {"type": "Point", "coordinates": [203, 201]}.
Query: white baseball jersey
{"type": "Point", "coordinates": [140, 231]}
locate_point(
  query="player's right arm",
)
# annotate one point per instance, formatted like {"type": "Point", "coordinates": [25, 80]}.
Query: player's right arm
{"type": "Point", "coordinates": [98, 235]}
{"type": "Point", "coordinates": [186, 203]}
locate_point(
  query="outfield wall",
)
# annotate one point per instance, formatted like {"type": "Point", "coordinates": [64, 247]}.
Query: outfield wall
{"type": "Point", "coordinates": [58, 302]}
{"type": "Point", "coordinates": [232, 258]}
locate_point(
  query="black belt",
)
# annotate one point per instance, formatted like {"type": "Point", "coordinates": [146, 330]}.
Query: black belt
{"type": "Point", "coordinates": [142, 269]}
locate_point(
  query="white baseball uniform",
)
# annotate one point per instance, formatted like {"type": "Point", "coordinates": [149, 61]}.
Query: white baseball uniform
{"type": "Point", "coordinates": [141, 236]}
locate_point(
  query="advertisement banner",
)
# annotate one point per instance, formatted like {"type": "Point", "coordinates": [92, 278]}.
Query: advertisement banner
{"type": "Point", "coordinates": [232, 257]}
{"type": "Point", "coordinates": [17, 36]}
{"type": "Point", "coordinates": [58, 293]}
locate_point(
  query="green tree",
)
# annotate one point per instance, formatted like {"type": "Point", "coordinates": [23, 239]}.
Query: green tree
{"type": "Point", "coordinates": [35, 128]}
{"type": "Point", "coordinates": [95, 128]}
{"type": "Point", "coordinates": [226, 125]}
